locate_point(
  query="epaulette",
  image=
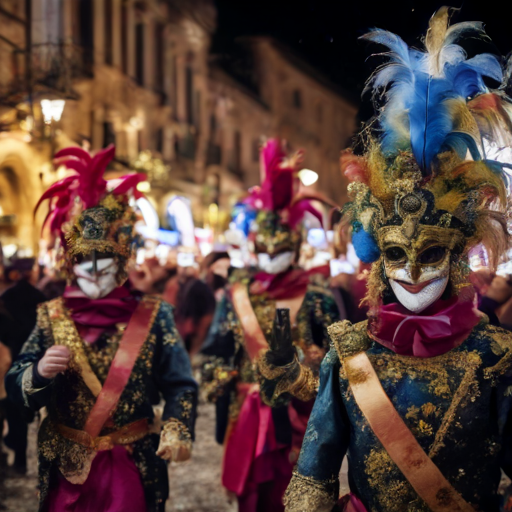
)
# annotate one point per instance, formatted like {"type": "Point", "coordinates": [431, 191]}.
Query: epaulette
{"type": "Point", "coordinates": [349, 339]}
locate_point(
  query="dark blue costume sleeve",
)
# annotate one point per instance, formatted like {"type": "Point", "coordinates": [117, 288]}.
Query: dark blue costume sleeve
{"type": "Point", "coordinates": [33, 350]}
{"type": "Point", "coordinates": [315, 480]}
{"type": "Point", "coordinates": [220, 350]}
{"type": "Point", "coordinates": [173, 372]}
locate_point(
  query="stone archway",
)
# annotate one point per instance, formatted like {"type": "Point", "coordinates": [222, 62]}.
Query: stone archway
{"type": "Point", "coordinates": [20, 188]}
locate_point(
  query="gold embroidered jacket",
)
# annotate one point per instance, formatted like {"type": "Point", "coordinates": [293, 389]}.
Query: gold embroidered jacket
{"type": "Point", "coordinates": [162, 369]}
{"type": "Point", "coordinates": [457, 405]}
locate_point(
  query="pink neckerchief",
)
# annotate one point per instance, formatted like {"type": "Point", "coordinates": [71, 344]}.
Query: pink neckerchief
{"type": "Point", "coordinates": [441, 327]}
{"type": "Point", "coordinates": [286, 285]}
{"type": "Point", "coordinates": [94, 317]}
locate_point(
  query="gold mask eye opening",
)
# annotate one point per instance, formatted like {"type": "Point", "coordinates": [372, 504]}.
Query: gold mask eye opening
{"type": "Point", "coordinates": [432, 255]}
{"type": "Point", "coordinates": [395, 254]}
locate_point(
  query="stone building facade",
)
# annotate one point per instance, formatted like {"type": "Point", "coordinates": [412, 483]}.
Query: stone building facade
{"type": "Point", "coordinates": [138, 73]}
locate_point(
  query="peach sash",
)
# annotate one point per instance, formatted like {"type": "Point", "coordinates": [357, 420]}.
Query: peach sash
{"type": "Point", "coordinates": [137, 331]}
{"type": "Point", "coordinates": [403, 448]}
{"type": "Point", "coordinates": [255, 341]}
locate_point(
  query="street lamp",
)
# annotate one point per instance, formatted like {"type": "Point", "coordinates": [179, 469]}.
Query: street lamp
{"type": "Point", "coordinates": [308, 177]}
{"type": "Point", "coordinates": [52, 110]}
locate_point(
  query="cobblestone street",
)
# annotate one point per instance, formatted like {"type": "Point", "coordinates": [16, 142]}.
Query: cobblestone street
{"type": "Point", "coordinates": [195, 485]}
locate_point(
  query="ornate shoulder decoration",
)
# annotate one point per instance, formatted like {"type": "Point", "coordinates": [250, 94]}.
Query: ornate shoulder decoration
{"type": "Point", "coordinates": [349, 339]}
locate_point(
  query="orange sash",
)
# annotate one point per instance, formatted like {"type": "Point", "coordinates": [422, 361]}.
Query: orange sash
{"type": "Point", "coordinates": [397, 439]}
{"type": "Point", "coordinates": [255, 341]}
{"type": "Point", "coordinates": [121, 368]}
{"type": "Point", "coordinates": [65, 333]}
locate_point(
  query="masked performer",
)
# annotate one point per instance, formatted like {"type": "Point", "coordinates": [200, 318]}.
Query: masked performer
{"type": "Point", "coordinates": [100, 356]}
{"type": "Point", "coordinates": [418, 395]}
{"type": "Point", "coordinates": [261, 443]}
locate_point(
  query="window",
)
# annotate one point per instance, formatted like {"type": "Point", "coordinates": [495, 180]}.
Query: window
{"type": "Point", "coordinates": [174, 82]}
{"type": "Point", "coordinates": [237, 152]}
{"type": "Point", "coordinates": [109, 135]}
{"type": "Point", "coordinates": [160, 140]}
{"type": "Point", "coordinates": [189, 86]}
{"type": "Point", "coordinates": [140, 141]}
{"type": "Point", "coordinates": [197, 109]}
{"type": "Point", "coordinates": [124, 38]}
{"type": "Point", "coordinates": [108, 33]}
{"type": "Point", "coordinates": [256, 150]}
{"type": "Point", "coordinates": [139, 53]}
{"type": "Point", "coordinates": [213, 126]}
{"type": "Point", "coordinates": [159, 56]}
{"type": "Point", "coordinates": [297, 98]}
{"type": "Point", "coordinates": [85, 30]}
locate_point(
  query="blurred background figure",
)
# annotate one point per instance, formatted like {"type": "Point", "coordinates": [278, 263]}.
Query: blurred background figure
{"type": "Point", "coordinates": [18, 314]}
{"type": "Point", "coordinates": [193, 313]}
{"type": "Point", "coordinates": [494, 296]}
{"type": "Point", "coordinates": [215, 271]}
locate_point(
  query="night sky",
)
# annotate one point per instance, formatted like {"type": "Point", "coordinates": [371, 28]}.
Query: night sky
{"type": "Point", "coordinates": [325, 32]}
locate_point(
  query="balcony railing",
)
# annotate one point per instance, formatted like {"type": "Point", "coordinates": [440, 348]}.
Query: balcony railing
{"type": "Point", "coordinates": [48, 68]}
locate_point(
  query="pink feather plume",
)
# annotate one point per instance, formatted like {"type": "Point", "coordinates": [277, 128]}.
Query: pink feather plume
{"type": "Point", "coordinates": [279, 190]}
{"type": "Point", "coordinates": [87, 184]}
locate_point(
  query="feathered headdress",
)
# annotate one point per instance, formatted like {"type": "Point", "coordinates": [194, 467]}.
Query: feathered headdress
{"type": "Point", "coordinates": [427, 163]}
{"type": "Point", "coordinates": [85, 211]}
{"type": "Point", "coordinates": [280, 205]}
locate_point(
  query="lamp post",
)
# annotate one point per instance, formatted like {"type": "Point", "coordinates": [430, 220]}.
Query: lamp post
{"type": "Point", "coordinates": [308, 177]}
{"type": "Point", "coordinates": [52, 112]}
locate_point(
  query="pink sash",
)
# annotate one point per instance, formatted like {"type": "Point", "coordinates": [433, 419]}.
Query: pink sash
{"type": "Point", "coordinates": [121, 368]}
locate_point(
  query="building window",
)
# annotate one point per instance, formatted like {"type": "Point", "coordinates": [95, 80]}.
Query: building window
{"type": "Point", "coordinates": [109, 135]}
{"type": "Point", "coordinates": [189, 87]}
{"type": "Point", "coordinates": [124, 38]}
{"type": "Point", "coordinates": [237, 152]}
{"type": "Point", "coordinates": [197, 109]}
{"type": "Point", "coordinates": [140, 141]}
{"type": "Point", "coordinates": [160, 140]}
{"type": "Point", "coordinates": [85, 31]}
{"type": "Point", "coordinates": [159, 56]}
{"type": "Point", "coordinates": [213, 126]}
{"type": "Point", "coordinates": [108, 33]}
{"type": "Point", "coordinates": [174, 82]}
{"type": "Point", "coordinates": [297, 98]}
{"type": "Point", "coordinates": [256, 150]}
{"type": "Point", "coordinates": [139, 53]}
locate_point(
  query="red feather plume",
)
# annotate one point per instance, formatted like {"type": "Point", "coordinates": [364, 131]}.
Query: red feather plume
{"type": "Point", "coordinates": [279, 190]}
{"type": "Point", "coordinates": [87, 184]}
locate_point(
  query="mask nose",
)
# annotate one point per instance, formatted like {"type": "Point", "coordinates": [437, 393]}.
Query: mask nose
{"type": "Point", "coordinates": [415, 271]}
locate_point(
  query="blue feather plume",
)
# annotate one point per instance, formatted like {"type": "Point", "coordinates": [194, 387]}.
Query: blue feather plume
{"type": "Point", "coordinates": [419, 86]}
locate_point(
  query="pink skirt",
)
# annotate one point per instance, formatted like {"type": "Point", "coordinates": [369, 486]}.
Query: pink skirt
{"type": "Point", "coordinates": [113, 485]}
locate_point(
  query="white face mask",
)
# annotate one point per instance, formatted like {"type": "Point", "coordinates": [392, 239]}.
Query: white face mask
{"type": "Point", "coordinates": [277, 264]}
{"type": "Point", "coordinates": [101, 284]}
{"type": "Point", "coordinates": [426, 287]}
{"type": "Point", "coordinates": [417, 302]}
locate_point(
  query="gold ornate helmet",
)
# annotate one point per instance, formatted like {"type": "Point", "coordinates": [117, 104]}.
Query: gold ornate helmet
{"type": "Point", "coordinates": [425, 192]}
{"type": "Point", "coordinates": [90, 214]}
{"type": "Point", "coordinates": [279, 204]}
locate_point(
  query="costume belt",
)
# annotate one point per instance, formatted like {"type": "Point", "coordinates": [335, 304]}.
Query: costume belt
{"type": "Point", "coordinates": [125, 435]}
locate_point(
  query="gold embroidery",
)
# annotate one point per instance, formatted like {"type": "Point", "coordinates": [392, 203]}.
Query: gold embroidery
{"type": "Point", "coordinates": [305, 493]}
{"type": "Point", "coordinates": [349, 339]}
{"type": "Point", "coordinates": [65, 333]}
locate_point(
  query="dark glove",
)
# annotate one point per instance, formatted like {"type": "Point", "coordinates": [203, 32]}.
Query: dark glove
{"type": "Point", "coordinates": [282, 351]}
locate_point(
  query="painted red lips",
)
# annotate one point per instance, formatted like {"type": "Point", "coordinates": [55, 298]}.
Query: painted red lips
{"type": "Point", "coordinates": [415, 288]}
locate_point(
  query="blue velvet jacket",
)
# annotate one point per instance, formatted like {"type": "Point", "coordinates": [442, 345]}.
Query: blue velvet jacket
{"type": "Point", "coordinates": [457, 405]}
{"type": "Point", "coordinates": [225, 347]}
{"type": "Point", "coordinates": [162, 369]}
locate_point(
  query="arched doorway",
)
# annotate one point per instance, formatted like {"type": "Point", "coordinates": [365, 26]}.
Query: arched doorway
{"type": "Point", "coordinates": [17, 226]}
